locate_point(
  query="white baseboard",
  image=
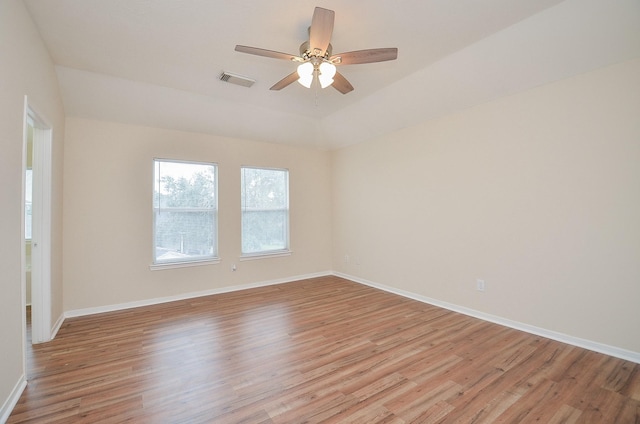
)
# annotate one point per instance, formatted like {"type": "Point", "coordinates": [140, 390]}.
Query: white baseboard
{"type": "Point", "coordinates": [627, 355]}
{"type": "Point", "coordinates": [183, 296]}
{"type": "Point", "coordinates": [57, 326]}
{"type": "Point", "coordinates": [13, 398]}
{"type": "Point", "coordinates": [563, 338]}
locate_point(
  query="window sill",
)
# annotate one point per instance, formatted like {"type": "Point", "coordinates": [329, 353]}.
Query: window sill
{"type": "Point", "coordinates": [172, 265]}
{"type": "Point", "coordinates": [263, 255]}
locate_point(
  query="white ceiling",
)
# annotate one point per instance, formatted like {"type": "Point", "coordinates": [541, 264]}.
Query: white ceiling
{"type": "Point", "coordinates": [157, 62]}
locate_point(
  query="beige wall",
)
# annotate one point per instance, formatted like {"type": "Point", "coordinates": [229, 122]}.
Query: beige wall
{"type": "Point", "coordinates": [108, 215]}
{"type": "Point", "coordinates": [25, 69]}
{"type": "Point", "coordinates": [537, 193]}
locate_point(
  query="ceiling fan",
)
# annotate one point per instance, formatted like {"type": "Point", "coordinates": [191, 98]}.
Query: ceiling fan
{"type": "Point", "coordinates": [316, 61]}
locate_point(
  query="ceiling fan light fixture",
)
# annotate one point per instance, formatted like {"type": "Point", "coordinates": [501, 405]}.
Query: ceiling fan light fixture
{"type": "Point", "coordinates": [316, 60]}
{"type": "Point", "coordinates": [306, 81]}
{"type": "Point", "coordinates": [327, 72]}
{"type": "Point", "coordinates": [305, 74]}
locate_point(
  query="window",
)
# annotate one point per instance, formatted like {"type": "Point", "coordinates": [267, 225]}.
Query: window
{"type": "Point", "coordinates": [185, 212]}
{"type": "Point", "coordinates": [265, 211]}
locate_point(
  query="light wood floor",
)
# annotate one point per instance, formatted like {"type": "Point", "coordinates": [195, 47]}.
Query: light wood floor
{"type": "Point", "coordinates": [319, 350]}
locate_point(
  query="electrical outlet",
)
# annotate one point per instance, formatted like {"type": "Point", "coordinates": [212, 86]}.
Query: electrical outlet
{"type": "Point", "coordinates": [480, 285]}
{"type": "Point", "coordinates": [233, 267]}
{"type": "Point", "coordinates": [346, 259]}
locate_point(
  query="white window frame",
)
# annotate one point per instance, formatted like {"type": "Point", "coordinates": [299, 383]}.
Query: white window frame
{"type": "Point", "coordinates": [286, 251]}
{"type": "Point", "coordinates": [187, 262]}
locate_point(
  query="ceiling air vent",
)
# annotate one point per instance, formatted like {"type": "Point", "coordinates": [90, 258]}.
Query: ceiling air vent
{"type": "Point", "coordinates": [237, 79]}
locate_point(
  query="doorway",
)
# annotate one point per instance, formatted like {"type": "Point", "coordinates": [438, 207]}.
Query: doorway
{"type": "Point", "coordinates": [36, 248]}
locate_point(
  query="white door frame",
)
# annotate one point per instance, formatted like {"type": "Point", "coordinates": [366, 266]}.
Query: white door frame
{"type": "Point", "coordinates": [41, 224]}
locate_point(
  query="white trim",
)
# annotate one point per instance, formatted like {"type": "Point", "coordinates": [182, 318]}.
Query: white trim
{"type": "Point", "coordinates": [23, 251]}
{"type": "Point", "coordinates": [183, 296]}
{"type": "Point", "coordinates": [553, 335]}
{"type": "Point", "coordinates": [13, 399]}
{"type": "Point", "coordinates": [183, 264]}
{"type": "Point", "coordinates": [41, 236]}
{"type": "Point", "coordinates": [57, 325]}
{"type": "Point", "coordinates": [263, 255]}
{"type": "Point", "coordinates": [268, 168]}
{"type": "Point", "coordinates": [617, 352]}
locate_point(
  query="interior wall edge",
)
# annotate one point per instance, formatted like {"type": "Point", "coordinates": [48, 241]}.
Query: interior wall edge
{"type": "Point", "coordinates": [614, 351]}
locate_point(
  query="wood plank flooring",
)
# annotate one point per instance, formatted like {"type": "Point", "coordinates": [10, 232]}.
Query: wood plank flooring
{"type": "Point", "coordinates": [318, 350]}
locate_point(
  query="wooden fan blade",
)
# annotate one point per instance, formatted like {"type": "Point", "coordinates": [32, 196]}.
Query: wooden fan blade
{"type": "Point", "coordinates": [341, 84]}
{"type": "Point", "coordinates": [321, 30]}
{"type": "Point", "coordinates": [365, 56]}
{"type": "Point", "coordinates": [266, 53]}
{"type": "Point", "coordinates": [291, 78]}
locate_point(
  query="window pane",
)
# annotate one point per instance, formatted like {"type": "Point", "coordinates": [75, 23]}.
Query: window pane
{"type": "Point", "coordinates": [265, 210]}
{"type": "Point", "coordinates": [185, 211]}
{"type": "Point", "coordinates": [184, 235]}
{"type": "Point", "coordinates": [265, 189]}
{"type": "Point", "coordinates": [264, 230]}
{"type": "Point", "coordinates": [183, 184]}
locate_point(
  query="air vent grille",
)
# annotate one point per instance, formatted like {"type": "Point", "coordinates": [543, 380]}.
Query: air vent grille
{"type": "Point", "coordinates": [236, 79]}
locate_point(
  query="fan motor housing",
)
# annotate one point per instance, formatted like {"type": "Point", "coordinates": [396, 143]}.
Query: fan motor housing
{"type": "Point", "coordinates": [305, 51]}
